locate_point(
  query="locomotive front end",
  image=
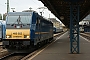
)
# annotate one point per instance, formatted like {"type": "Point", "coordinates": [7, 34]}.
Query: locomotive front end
{"type": "Point", "coordinates": [17, 30]}
{"type": "Point", "coordinates": [17, 34]}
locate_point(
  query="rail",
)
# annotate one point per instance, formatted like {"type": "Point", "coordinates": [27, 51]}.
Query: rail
{"type": "Point", "coordinates": [4, 57]}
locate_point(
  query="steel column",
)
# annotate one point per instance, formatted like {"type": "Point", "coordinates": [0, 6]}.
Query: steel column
{"type": "Point", "coordinates": [74, 28]}
{"type": "Point", "coordinates": [7, 6]}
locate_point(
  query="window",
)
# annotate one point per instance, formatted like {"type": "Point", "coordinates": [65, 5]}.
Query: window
{"type": "Point", "coordinates": [23, 19]}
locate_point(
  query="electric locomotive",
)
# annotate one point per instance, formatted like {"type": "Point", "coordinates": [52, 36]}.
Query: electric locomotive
{"type": "Point", "coordinates": [26, 29]}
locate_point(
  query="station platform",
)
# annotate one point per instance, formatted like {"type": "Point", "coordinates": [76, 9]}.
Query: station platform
{"type": "Point", "coordinates": [60, 50]}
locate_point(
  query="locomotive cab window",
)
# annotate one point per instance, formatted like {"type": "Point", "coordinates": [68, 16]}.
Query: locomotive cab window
{"type": "Point", "coordinates": [38, 21]}
{"type": "Point", "coordinates": [24, 19]}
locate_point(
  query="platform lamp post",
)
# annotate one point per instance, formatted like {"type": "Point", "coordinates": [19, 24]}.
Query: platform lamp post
{"type": "Point", "coordinates": [7, 6]}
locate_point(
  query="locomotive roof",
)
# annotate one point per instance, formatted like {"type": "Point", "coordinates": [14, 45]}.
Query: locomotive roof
{"type": "Point", "coordinates": [25, 13]}
{"type": "Point", "coordinates": [19, 13]}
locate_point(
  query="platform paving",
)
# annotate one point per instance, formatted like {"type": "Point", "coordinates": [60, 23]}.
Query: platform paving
{"type": "Point", "coordinates": [60, 50]}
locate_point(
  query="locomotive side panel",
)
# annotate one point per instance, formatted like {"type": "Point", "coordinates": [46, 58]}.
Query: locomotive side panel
{"type": "Point", "coordinates": [46, 29]}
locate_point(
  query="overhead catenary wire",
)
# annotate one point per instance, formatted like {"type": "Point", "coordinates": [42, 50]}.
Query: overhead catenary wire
{"type": "Point", "coordinates": [2, 5]}
{"type": "Point", "coordinates": [35, 2]}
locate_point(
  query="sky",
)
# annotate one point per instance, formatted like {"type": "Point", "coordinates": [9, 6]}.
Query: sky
{"type": "Point", "coordinates": [21, 5]}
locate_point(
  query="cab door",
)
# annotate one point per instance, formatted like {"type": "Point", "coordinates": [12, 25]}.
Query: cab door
{"type": "Point", "coordinates": [39, 29]}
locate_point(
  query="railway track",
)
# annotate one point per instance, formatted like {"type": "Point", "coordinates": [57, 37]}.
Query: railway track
{"type": "Point", "coordinates": [14, 56]}
{"type": "Point", "coordinates": [85, 35]}
{"type": "Point", "coordinates": [4, 57]}
{"type": "Point", "coordinates": [19, 56]}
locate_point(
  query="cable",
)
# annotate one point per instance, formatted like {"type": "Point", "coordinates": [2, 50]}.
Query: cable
{"type": "Point", "coordinates": [2, 5]}
{"type": "Point", "coordinates": [34, 2]}
{"type": "Point", "coordinates": [15, 2]}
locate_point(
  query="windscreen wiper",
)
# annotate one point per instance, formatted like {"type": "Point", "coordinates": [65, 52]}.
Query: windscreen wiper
{"type": "Point", "coordinates": [18, 21]}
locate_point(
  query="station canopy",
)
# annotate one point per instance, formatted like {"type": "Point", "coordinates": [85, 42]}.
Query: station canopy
{"type": "Point", "coordinates": [61, 9]}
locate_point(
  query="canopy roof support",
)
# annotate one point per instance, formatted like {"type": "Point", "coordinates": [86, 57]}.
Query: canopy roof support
{"type": "Point", "coordinates": [74, 28]}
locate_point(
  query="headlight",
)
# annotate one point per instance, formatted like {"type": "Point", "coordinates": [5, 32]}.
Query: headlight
{"type": "Point", "coordinates": [27, 36]}
{"type": "Point", "coordinates": [8, 36]}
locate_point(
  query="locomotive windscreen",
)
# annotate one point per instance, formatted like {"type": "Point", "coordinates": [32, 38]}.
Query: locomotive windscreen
{"type": "Point", "coordinates": [23, 19]}
{"type": "Point", "coordinates": [17, 20]}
